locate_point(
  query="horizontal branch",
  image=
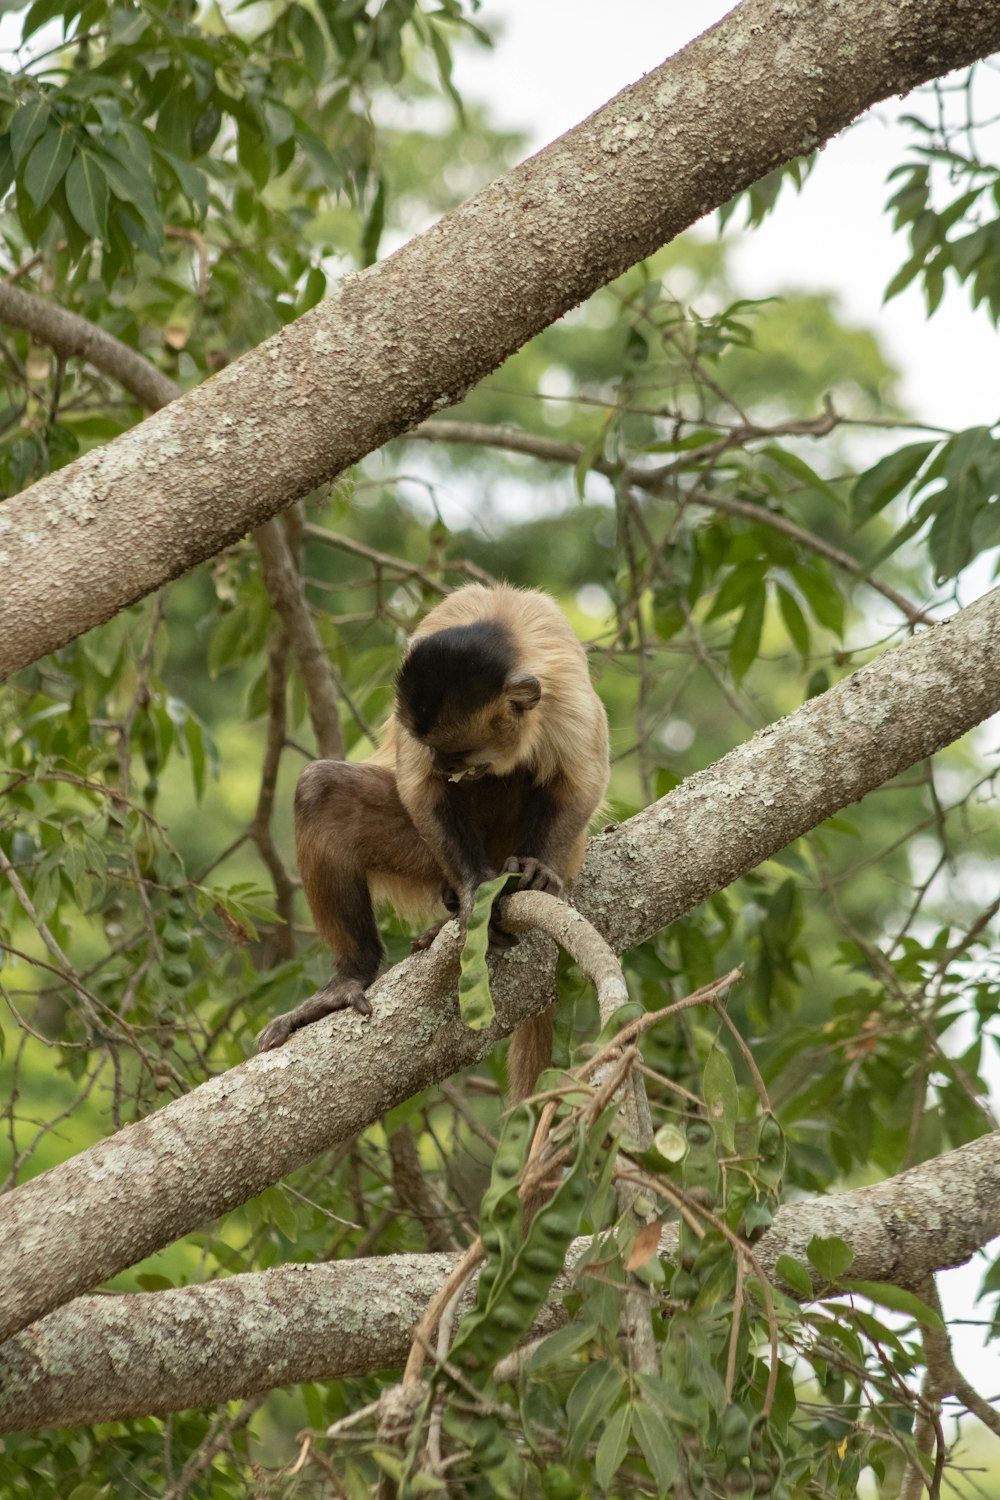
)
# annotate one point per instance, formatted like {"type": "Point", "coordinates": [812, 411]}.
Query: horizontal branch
{"type": "Point", "coordinates": [663, 482]}
{"type": "Point", "coordinates": [70, 1228]}
{"type": "Point", "coordinates": [104, 1359]}
{"type": "Point", "coordinates": [413, 334]}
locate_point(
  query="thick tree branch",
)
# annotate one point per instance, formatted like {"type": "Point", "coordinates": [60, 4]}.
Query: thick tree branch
{"type": "Point", "coordinates": [79, 1223]}
{"type": "Point", "coordinates": [771, 80]}
{"type": "Point", "coordinates": [106, 1359]}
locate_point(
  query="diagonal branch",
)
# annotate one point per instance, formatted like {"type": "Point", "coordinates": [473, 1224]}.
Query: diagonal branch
{"type": "Point", "coordinates": [661, 481]}
{"type": "Point", "coordinates": [413, 334]}
{"type": "Point", "coordinates": [79, 1223]}
{"type": "Point", "coordinates": [110, 1358]}
{"type": "Point", "coordinates": [75, 337]}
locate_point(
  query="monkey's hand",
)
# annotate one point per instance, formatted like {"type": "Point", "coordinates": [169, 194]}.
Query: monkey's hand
{"type": "Point", "coordinates": [452, 905]}
{"type": "Point", "coordinates": [421, 943]}
{"type": "Point", "coordinates": [339, 994]}
{"type": "Point", "coordinates": [535, 876]}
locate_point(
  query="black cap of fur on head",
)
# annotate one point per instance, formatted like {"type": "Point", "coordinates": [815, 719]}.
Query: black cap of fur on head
{"type": "Point", "coordinates": [453, 672]}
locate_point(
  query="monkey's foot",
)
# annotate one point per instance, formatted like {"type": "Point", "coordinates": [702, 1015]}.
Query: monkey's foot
{"type": "Point", "coordinates": [535, 876]}
{"type": "Point", "coordinates": [339, 994]}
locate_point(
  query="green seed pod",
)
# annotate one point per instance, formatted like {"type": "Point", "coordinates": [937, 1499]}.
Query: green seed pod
{"type": "Point", "coordinates": [541, 1258]}
{"type": "Point", "coordinates": [507, 1317]}
{"type": "Point", "coordinates": [558, 1483]}
{"type": "Point", "coordinates": [177, 973]}
{"type": "Point", "coordinates": [175, 939]}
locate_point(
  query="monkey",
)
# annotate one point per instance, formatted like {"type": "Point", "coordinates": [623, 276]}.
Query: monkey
{"type": "Point", "coordinates": [494, 759]}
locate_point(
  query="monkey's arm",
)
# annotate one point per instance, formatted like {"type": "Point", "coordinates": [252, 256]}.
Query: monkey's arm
{"type": "Point", "coordinates": [552, 846]}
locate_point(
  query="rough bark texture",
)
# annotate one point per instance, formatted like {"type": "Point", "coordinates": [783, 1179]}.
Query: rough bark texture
{"type": "Point", "coordinates": [773, 79]}
{"type": "Point", "coordinates": [72, 1227]}
{"type": "Point", "coordinates": [109, 1358]}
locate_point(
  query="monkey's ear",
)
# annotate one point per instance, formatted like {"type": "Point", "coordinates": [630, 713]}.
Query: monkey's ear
{"type": "Point", "coordinates": [523, 690]}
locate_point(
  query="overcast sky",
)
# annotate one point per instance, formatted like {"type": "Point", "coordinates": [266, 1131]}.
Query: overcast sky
{"type": "Point", "coordinates": [554, 64]}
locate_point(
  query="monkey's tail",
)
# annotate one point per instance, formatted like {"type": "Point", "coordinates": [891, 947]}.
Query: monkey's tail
{"type": "Point", "coordinates": [529, 1054]}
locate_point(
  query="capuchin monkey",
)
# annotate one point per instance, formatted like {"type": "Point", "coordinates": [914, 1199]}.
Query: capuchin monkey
{"type": "Point", "coordinates": [495, 758]}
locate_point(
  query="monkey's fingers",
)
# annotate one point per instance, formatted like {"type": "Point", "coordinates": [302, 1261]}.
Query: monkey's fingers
{"type": "Point", "coordinates": [535, 876]}
{"type": "Point", "coordinates": [339, 994]}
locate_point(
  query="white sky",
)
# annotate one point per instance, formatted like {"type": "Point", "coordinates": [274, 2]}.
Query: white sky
{"type": "Point", "coordinates": [555, 63]}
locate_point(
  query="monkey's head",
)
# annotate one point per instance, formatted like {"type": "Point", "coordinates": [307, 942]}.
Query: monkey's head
{"type": "Point", "coordinates": [463, 695]}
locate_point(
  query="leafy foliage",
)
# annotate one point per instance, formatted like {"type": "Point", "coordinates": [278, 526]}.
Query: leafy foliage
{"type": "Point", "coordinates": [190, 181]}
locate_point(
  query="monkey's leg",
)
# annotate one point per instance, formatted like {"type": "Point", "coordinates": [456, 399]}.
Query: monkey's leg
{"type": "Point", "coordinates": [349, 826]}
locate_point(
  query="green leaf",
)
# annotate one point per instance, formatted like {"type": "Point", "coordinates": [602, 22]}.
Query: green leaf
{"type": "Point", "coordinates": [894, 1297]}
{"type": "Point", "coordinates": [191, 181]}
{"type": "Point", "coordinates": [795, 621]}
{"type": "Point", "coordinates": [151, 1282]}
{"type": "Point", "coordinates": [970, 465]}
{"type": "Point", "coordinates": [830, 1255]}
{"type": "Point", "coordinates": [47, 164]}
{"type": "Point", "coordinates": [128, 177]}
{"type": "Point", "coordinates": [195, 741]}
{"type": "Point", "coordinates": [87, 194]}
{"type": "Point", "coordinates": [745, 644]}
{"type": "Point", "coordinates": [800, 470]}
{"type": "Point", "coordinates": [557, 1347]}
{"type": "Point", "coordinates": [40, 14]}
{"type": "Point", "coordinates": [658, 1448]}
{"type": "Point", "coordinates": [794, 1273]}
{"type": "Point", "coordinates": [374, 224]}
{"type": "Point", "coordinates": [885, 480]}
{"type": "Point", "coordinates": [474, 998]}
{"type": "Point", "coordinates": [739, 585]}
{"type": "Point", "coordinates": [26, 126]}
{"type": "Point", "coordinates": [721, 1095]}
{"type": "Point", "coordinates": [6, 165]}
{"type": "Point", "coordinates": [600, 1384]}
{"type": "Point", "coordinates": [613, 1446]}
{"type": "Point", "coordinates": [822, 595]}
{"type": "Point", "coordinates": [903, 277]}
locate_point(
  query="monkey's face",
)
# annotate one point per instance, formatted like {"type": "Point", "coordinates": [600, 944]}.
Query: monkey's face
{"type": "Point", "coordinates": [491, 741]}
